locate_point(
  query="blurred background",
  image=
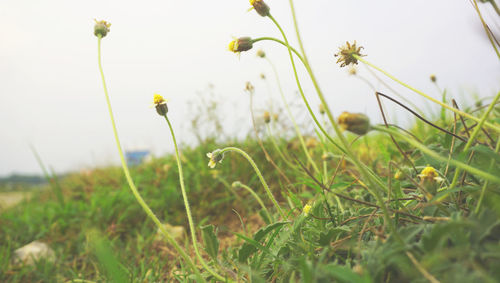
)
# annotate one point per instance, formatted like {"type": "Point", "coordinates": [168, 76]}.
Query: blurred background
{"type": "Point", "coordinates": [51, 95]}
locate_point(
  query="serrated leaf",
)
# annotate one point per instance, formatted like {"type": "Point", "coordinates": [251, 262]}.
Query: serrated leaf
{"type": "Point", "coordinates": [209, 235]}
{"type": "Point", "coordinates": [248, 248]}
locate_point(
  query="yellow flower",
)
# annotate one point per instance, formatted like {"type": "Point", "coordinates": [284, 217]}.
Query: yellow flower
{"type": "Point", "coordinates": [240, 44]}
{"type": "Point", "coordinates": [428, 173]}
{"type": "Point", "coordinates": [260, 7]}
{"type": "Point", "coordinates": [160, 104]}
{"type": "Point", "coordinates": [215, 156]}
{"type": "Point", "coordinates": [306, 209]}
{"type": "Point", "coordinates": [354, 122]}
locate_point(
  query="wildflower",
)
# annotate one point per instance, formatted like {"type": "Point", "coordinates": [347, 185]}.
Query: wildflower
{"type": "Point", "coordinates": [306, 209]}
{"type": "Point", "coordinates": [346, 54]}
{"type": "Point", "coordinates": [160, 104]}
{"type": "Point", "coordinates": [240, 44]}
{"type": "Point", "coordinates": [262, 76]}
{"type": "Point", "coordinates": [397, 175]}
{"type": "Point", "coordinates": [275, 117]}
{"type": "Point", "coordinates": [267, 117]}
{"type": "Point", "coordinates": [354, 122]}
{"type": "Point", "coordinates": [433, 78]}
{"type": "Point", "coordinates": [321, 109]}
{"type": "Point", "coordinates": [260, 53]}
{"type": "Point", "coordinates": [101, 28]}
{"type": "Point", "coordinates": [429, 179]}
{"type": "Point", "coordinates": [215, 156]}
{"type": "Point", "coordinates": [261, 7]}
{"type": "Point", "coordinates": [249, 87]}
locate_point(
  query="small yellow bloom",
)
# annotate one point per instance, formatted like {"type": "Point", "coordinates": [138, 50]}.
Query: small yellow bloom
{"type": "Point", "coordinates": [160, 104]}
{"type": "Point", "coordinates": [354, 122]}
{"type": "Point", "coordinates": [267, 117]}
{"type": "Point", "coordinates": [260, 7]}
{"type": "Point", "coordinates": [158, 99]}
{"type": "Point", "coordinates": [240, 44]}
{"type": "Point", "coordinates": [215, 156]}
{"type": "Point", "coordinates": [428, 173]}
{"type": "Point", "coordinates": [306, 209]}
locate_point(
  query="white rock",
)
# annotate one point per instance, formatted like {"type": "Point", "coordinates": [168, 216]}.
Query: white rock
{"type": "Point", "coordinates": [33, 252]}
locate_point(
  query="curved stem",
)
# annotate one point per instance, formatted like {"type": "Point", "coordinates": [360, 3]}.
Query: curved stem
{"type": "Point", "coordinates": [289, 112]}
{"type": "Point", "coordinates": [491, 126]}
{"type": "Point", "coordinates": [485, 185]}
{"type": "Point", "coordinates": [258, 199]}
{"type": "Point", "coordinates": [371, 178]}
{"type": "Point", "coordinates": [474, 135]}
{"type": "Point", "coordinates": [282, 43]}
{"type": "Point", "coordinates": [130, 182]}
{"type": "Point", "coordinates": [259, 174]}
{"type": "Point", "coordinates": [299, 86]}
{"type": "Point", "coordinates": [437, 156]}
{"type": "Point", "coordinates": [188, 209]}
{"type": "Point", "coordinates": [276, 147]}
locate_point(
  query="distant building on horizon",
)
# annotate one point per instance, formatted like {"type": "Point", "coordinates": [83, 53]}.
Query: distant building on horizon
{"type": "Point", "coordinates": [136, 157]}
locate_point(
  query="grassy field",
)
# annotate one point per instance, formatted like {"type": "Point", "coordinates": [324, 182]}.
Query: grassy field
{"type": "Point", "coordinates": [343, 200]}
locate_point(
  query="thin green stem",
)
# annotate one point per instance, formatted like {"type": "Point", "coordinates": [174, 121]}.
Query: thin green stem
{"type": "Point", "coordinates": [276, 147]}
{"type": "Point", "coordinates": [474, 134]}
{"type": "Point", "coordinates": [258, 199]}
{"type": "Point", "coordinates": [485, 26]}
{"type": "Point", "coordinates": [485, 185]}
{"type": "Point", "coordinates": [437, 156]}
{"type": "Point", "coordinates": [188, 209]}
{"type": "Point", "coordinates": [372, 179]}
{"type": "Point", "coordinates": [130, 182]}
{"type": "Point", "coordinates": [289, 112]}
{"type": "Point", "coordinates": [425, 95]}
{"type": "Point", "coordinates": [282, 43]}
{"type": "Point", "coordinates": [259, 174]}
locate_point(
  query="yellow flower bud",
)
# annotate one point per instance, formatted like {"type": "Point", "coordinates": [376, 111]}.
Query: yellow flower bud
{"type": "Point", "coordinates": [261, 7]}
{"type": "Point", "coordinates": [354, 122]}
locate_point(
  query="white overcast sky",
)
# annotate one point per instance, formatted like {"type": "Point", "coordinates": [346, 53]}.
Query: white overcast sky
{"type": "Point", "coordinates": [51, 94]}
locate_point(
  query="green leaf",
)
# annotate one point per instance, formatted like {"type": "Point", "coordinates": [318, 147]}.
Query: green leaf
{"type": "Point", "coordinates": [209, 235]}
{"type": "Point", "coordinates": [250, 247]}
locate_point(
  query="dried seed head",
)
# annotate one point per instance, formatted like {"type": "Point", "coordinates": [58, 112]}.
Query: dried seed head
{"type": "Point", "coordinates": [160, 104]}
{"type": "Point", "coordinates": [433, 78]}
{"type": "Point", "coordinates": [101, 28]}
{"type": "Point", "coordinates": [261, 7]}
{"type": "Point", "coordinates": [240, 44]}
{"type": "Point", "coordinates": [249, 87]}
{"type": "Point", "coordinates": [267, 117]}
{"type": "Point", "coordinates": [354, 122]}
{"type": "Point", "coordinates": [346, 53]}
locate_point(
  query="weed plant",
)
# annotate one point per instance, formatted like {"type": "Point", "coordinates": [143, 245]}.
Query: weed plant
{"type": "Point", "coordinates": [355, 202]}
